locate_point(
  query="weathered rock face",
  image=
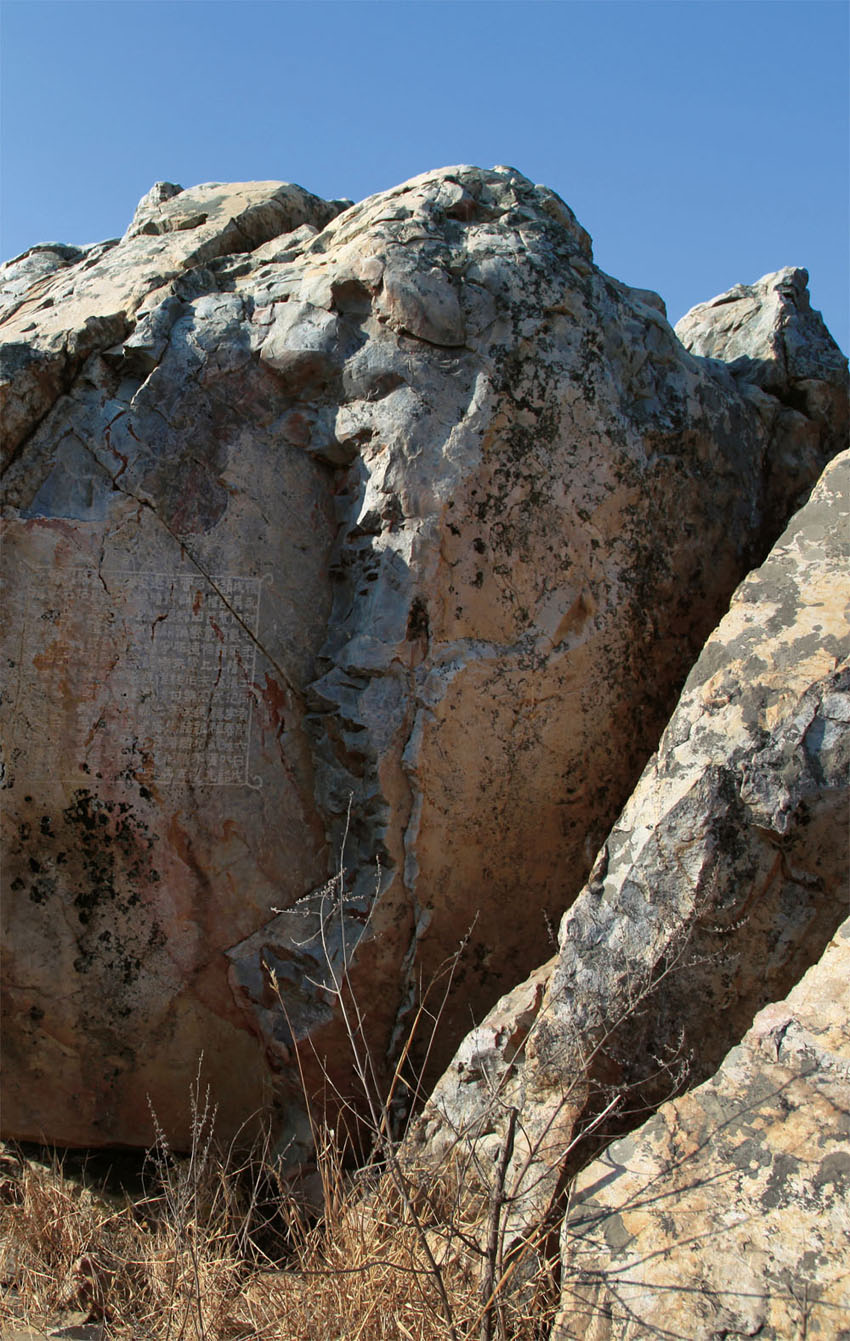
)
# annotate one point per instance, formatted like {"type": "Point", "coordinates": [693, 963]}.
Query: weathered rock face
{"type": "Point", "coordinates": [717, 888]}
{"type": "Point", "coordinates": [770, 338]}
{"type": "Point", "coordinates": [769, 335]}
{"type": "Point", "coordinates": [726, 1214]}
{"type": "Point", "coordinates": [61, 304]}
{"type": "Point", "coordinates": [157, 798]}
{"type": "Point", "coordinates": [407, 504]}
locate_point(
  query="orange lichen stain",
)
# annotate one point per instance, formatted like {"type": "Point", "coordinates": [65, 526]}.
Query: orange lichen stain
{"type": "Point", "coordinates": [274, 698]}
{"type": "Point", "coordinates": [54, 661]}
{"type": "Point", "coordinates": [96, 726]}
{"type": "Point", "coordinates": [114, 450]}
{"type": "Point", "coordinates": [68, 530]}
{"type": "Point", "coordinates": [143, 773]}
{"type": "Point", "coordinates": [298, 429]}
{"type": "Point", "coordinates": [180, 841]}
{"type": "Point", "coordinates": [491, 435]}
{"type": "Point", "coordinates": [54, 655]}
{"type": "Point", "coordinates": [232, 832]}
{"type": "Point", "coordinates": [581, 609]}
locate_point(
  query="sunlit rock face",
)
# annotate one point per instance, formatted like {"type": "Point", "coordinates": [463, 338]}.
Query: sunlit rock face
{"type": "Point", "coordinates": [398, 523]}
{"type": "Point", "coordinates": [719, 884]}
{"type": "Point", "coordinates": [727, 1211]}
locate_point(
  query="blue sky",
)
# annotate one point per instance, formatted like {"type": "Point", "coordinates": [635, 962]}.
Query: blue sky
{"type": "Point", "coordinates": [701, 142]}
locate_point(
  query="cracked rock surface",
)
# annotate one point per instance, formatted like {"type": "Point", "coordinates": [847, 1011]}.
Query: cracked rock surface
{"type": "Point", "coordinates": [401, 508]}
{"type": "Point", "coordinates": [719, 885]}
{"type": "Point", "coordinates": [727, 1213]}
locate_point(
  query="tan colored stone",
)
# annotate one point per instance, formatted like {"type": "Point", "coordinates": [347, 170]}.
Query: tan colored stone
{"type": "Point", "coordinates": [717, 887]}
{"type": "Point", "coordinates": [280, 544]}
{"type": "Point", "coordinates": [727, 1213]}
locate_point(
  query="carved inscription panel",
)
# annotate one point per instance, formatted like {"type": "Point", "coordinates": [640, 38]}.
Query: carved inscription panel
{"type": "Point", "coordinates": [142, 674]}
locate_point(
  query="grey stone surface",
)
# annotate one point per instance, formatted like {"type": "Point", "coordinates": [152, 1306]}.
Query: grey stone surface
{"type": "Point", "coordinates": [403, 505]}
{"type": "Point", "coordinates": [718, 886]}
{"type": "Point", "coordinates": [767, 333]}
{"type": "Point", "coordinates": [727, 1213]}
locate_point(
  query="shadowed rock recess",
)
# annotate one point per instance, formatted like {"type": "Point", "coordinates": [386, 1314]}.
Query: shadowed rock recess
{"type": "Point", "coordinates": [402, 510]}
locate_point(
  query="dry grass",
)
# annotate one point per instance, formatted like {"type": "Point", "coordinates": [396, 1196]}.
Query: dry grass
{"type": "Point", "coordinates": [65, 1247]}
{"type": "Point", "coordinates": [220, 1249]}
{"type": "Point", "coordinates": [192, 1260]}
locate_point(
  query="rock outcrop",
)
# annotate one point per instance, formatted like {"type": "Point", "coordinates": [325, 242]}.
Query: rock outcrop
{"type": "Point", "coordinates": [718, 886]}
{"type": "Point", "coordinates": [389, 531]}
{"type": "Point", "coordinates": [726, 1214]}
{"type": "Point", "coordinates": [770, 339]}
{"type": "Point", "coordinates": [59, 304]}
{"type": "Point", "coordinates": [768, 335]}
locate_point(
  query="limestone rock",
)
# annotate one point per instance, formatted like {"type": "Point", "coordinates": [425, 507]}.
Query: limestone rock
{"type": "Point", "coordinates": [767, 333]}
{"type": "Point", "coordinates": [88, 302]}
{"type": "Point", "coordinates": [406, 510]}
{"type": "Point", "coordinates": [717, 887]}
{"type": "Point", "coordinates": [25, 271]}
{"type": "Point", "coordinates": [770, 337]}
{"type": "Point", "coordinates": [727, 1213]}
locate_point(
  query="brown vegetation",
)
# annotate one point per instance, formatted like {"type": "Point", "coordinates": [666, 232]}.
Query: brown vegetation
{"type": "Point", "coordinates": [220, 1247]}
{"type": "Point", "coordinates": [208, 1253]}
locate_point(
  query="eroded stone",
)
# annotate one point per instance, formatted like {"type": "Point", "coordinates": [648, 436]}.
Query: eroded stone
{"type": "Point", "coordinates": [299, 554]}
{"type": "Point", "coordinates": [716, 889]}
{"type": "Point", "coordinates": [727, 1212]}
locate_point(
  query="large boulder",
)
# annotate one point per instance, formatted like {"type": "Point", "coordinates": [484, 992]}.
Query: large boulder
{"type": "Point", "coordinates": [718, 886]}
{"type": "Point", "coordinates": [382, 537]}
{"type": "Point", "coordinates": [726, 1214]}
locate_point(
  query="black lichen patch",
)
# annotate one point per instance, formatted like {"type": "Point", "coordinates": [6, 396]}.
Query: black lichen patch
{"type": "Point", "coordinates": [109, 839]}
{"type": "Point", "coordinates": [417, 621]}
{"type": "Point", "coordinates": [96, 859]}
{"type": "Point", "coordinates": [779, 1189]}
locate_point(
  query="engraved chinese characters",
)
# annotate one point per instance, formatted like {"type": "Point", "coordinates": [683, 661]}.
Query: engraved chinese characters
{"type": "Point", "coordinates": [142, 674]}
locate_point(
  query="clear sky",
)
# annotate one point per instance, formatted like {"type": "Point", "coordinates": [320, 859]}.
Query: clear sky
{"type": "Point", "coordinates": [701, 142]}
